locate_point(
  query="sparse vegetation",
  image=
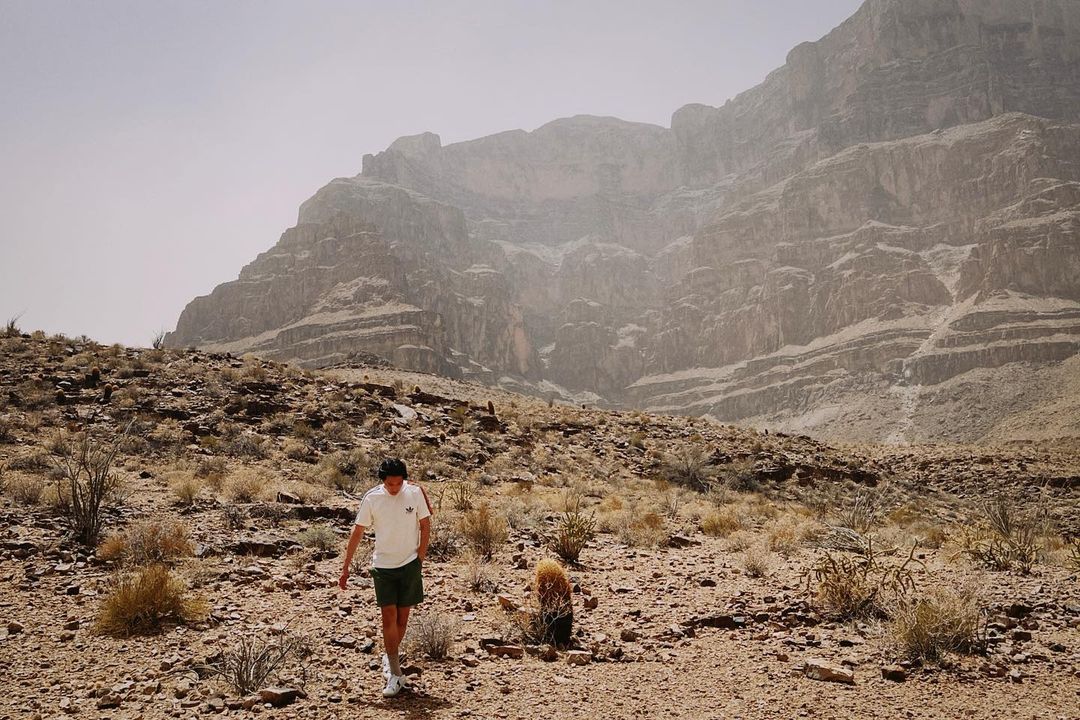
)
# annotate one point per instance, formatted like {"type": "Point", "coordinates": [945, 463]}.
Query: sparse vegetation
{"type": "Point", "coordinates": [142, 602]}
{"type": "Point", "coordinates": [246, 485]}
{"type": "Point", "coordinates": [758, 561]}
{"type": "Point", "coordinates": [86, 480]}
{"type": "Point", "coordinates": [185, 487]}
{"type": "Point", "coordinates": [319, 537]}
{"type": "Point", "coordinates": [572, 532]}
{"type": "Point", "coordinates": [688, 466]}
{"type": "Point", "coordinates": [25, 489]}
{"type": "Point", "coordinates": [432, 635]}
{"type": "Point", "coordinates": [255, 660]}
{"type": "Point", "coordinates": [943, 621]}
{"type": "Point", "coordinates": [856, 587]}
{"type": "Point", "coordinates": [721, 522]}
{"type": "Point", "coordinates": [147, 542]}
{"type": "Point", "coordinates": [483, 529]}
{"type": "Point", "coordinates": [1002, 539]}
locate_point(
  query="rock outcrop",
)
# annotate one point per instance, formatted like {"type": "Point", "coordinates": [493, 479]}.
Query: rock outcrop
{"type": "Point", "coordinates": [895, 208]}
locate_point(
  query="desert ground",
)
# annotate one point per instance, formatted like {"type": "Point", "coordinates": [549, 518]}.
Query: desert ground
{"type": "Point", "coordinates": [713, 571]}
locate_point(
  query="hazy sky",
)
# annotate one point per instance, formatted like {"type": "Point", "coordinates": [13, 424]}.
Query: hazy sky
{"type": "Point", "coordinates": [149, 149]}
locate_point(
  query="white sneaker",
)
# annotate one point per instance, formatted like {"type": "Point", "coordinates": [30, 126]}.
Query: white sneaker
{"type": "Point", "coordinates": [393, 686]}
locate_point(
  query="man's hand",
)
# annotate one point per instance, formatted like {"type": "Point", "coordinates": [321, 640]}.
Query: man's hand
{"type": "Point", "coordinates": [344, 579]}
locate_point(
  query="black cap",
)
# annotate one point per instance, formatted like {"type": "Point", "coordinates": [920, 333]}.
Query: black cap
{"type": "Point", "coordinates": [392, 466]}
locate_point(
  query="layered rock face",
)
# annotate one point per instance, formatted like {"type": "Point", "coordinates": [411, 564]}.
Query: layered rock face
{"type": "Point", "coordinates": [893, 211]}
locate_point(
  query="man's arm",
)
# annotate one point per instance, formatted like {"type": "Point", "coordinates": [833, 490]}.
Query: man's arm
{"type": "Point", "coordinates": [425, 535]}
{"type": "Point", "coordinates": [354, 541]}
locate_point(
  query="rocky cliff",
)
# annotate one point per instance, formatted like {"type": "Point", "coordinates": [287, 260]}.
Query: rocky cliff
{"type": "Point", "coordinates": [890, 219]}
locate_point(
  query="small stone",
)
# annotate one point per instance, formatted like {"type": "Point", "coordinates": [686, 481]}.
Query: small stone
{"type": "Point", "coordinates": [818, 669]}
{"type": "Point", "coordinates": [14, 628]}
{"type": "Point", "coordinates": [548, 653]}
{"type": "Point", "coordinates": [895, 673]}
{"type": "Point", "coordinates": [279, 696]}
{"type": "Point", "coordinates": [1020, 635]}
{"type": "Point", "coordinates": [578, 657]}
{"type": "Point", "coordinates": [507, 603]}
{"type": "Point", "coordinates": [591, 603]}
{"type": "Point", "coordinates": [514, 652]}
{"type": "Point", "coordinates": [629, 635]}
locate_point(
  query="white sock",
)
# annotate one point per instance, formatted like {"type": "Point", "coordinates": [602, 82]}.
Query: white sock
{"type": "Point", "coordinates": [395, 664]}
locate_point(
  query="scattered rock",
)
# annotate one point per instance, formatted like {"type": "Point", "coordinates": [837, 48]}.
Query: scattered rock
{"type": "Point", "coordinates": [818, 669]}
{"type": "Point", "coordinates": [578, 657]}
{"type": "Point", "coordinates": [895, 673]}
{"type": "Point", "coordinates": [279, 696]}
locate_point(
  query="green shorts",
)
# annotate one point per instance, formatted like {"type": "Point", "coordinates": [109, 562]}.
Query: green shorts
{"type": "Point", "coordinates": [401, 586]}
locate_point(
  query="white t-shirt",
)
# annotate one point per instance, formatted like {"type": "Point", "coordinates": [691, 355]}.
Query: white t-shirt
{"type": "Point", "coordinates": [396, 522]}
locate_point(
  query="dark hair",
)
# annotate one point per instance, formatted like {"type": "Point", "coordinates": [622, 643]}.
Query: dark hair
{"type": "Point", "coordinates": [392, 466]}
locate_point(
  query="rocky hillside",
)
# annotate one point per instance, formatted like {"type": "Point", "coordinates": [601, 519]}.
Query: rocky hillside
{"type": "Point", "coordinates": [870, 244]}
{"type": "Point", "coordinates": [721, 572]}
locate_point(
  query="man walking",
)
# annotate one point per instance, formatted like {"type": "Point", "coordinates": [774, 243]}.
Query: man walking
{"type": "Point", "coordinates": [399, 514]}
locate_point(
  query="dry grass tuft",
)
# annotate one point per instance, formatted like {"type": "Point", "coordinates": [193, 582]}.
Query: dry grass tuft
{"type": "Point", "coordinates": [185, 487]}
{"type": "Point", "coordinates": [319, 537]}
{"type": "Point", "coordinates": [721, 522]}
{"type": "Point", "coordinates": [25, 489]}
{"type": "Point", "coordinates": [143, 602]}
{"type": "Point", "coordinates": [942, 622]}
{"type": "Point", "coordinates": [642, 530]}
{"type": "Point", "coordinates": [758, 562]}
{"type": "Point", "coordinates": [432, 635]}
{"type": "Point", "coordinates": [147, 542]}
{"type": "Point", "coordinates": [483, 530]}
{"type": "Point", "coordinates": [247, 484]}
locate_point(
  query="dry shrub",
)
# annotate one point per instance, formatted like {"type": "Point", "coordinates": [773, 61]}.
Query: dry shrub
{"type": "Point", "coordinates": [642, 530]}
{"type": "Point", "coordinates": [758, 562]}
{"type": "Point", "coordinates": [523, 513]}
{"type": "Point", "coordinates": [142, 602]}
{"type": "Point", "coordinates": [147, 542]}
{"type": "Point", "coordinates": [254, 661]}
{"type": "Point", "coordinates": [319, 537]}
{"type": "Point", "coordinates": [247, 444]}
{"type": "Point", "coordinates": [1003, 538]}
{"type": "Point", "coordinates": [86, 480]}
{"type": "Point", "coordinates": [856, 587]}
{"type": "Point", "coordinates": [739, 476]}
{"type": "Point", "coordinates": [444, 539]}
{"type": "Point", "coordinates": [296, 449]}
{"type": "Point", "coordinates": [862, 513]}
{"type": "Point", "coordinates": [185, 486]}
{"type": "Point", "coordinates": [721, 522]}
{"type": "Point", "coordinates": [345, 470]}
{"type": "Point", "coordinates": [943, 621]}
{"type": "Point", "coordinates": [478, 574]}
{"type": "Point", "coordinates": [739, 540]}
{"type": "Point", "coordinates": [458, 493]}
{"type": "Point", "coordinates": [247, 484]}
{"type": "Point", "coordinates": [25, 489]}
{"type": "Point", "coordinates": [432, 635]}
{"type": "Point", "coordinates": [688, 466]}
{"type": "Point", "coordinates": [783, 535]}
{"type": "Point", "coordinates": [1072, 559]}
{"type": "Point", "coordinates": [483, 530]}
{"type": "Point", "coordinates": [572, 532]}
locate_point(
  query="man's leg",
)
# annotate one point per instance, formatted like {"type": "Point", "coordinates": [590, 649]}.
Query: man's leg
{"type": "Point", "coordinates": [391, 636]}
{"type": "Point", "coordinates": [402, 622]}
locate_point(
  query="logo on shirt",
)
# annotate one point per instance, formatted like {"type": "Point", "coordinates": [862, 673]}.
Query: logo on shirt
{"type": "Point", "coordinates": [409, 510]}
